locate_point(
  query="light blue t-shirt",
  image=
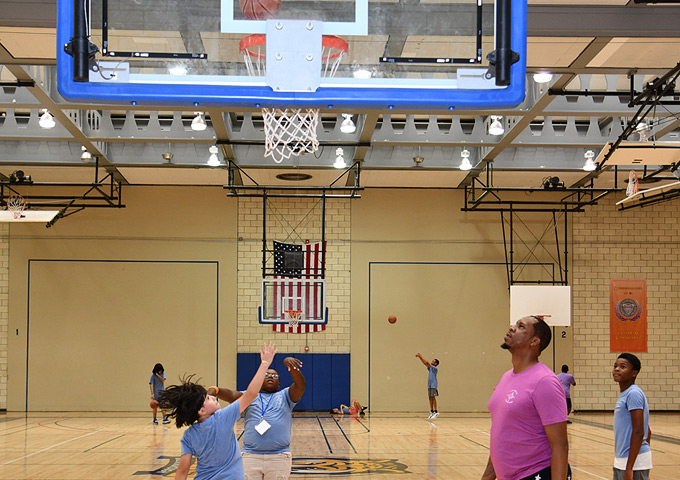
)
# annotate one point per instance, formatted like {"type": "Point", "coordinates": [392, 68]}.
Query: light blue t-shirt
{"type": "Point", "coordinates": [278, 408]}
{"type": "Point", "coordinates": [214, 445]}
{"type": "Point", "coordinates": [158, 386]}
{"type": "Point", "coordinates": [432, 377]}
{"type": "Point", "coordinates": [631, 398]}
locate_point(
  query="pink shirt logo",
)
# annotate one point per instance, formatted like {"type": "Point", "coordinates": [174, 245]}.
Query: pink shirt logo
{"type": "Point", "coordinates": [511, 396]}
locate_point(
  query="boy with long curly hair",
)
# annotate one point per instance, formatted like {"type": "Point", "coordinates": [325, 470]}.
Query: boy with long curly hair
{"type": "Point", "coordinates": [210, 436]}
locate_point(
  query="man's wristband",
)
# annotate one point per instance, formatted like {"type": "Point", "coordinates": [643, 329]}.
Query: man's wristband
{"type": "Point", "coordinates": [265, 361]}
{"type": "Point", "coordinates": [217, 390]}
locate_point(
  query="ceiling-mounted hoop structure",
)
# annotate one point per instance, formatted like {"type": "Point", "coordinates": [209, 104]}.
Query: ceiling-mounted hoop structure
{"type": "Point", "coordinates": [351, 173]}
{"type": "Point", "coordinates": [647, 100]}
{"type": "Point", "coordinates": [105, 192]}
{"type": "Point", "coordinates": [483, 196]}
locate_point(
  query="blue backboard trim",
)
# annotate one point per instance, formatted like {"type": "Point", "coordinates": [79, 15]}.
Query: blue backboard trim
{"type": "Point", "coordinates": [258, 96]}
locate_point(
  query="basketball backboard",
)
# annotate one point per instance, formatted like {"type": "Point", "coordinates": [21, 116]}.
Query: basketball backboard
{"type": "Point", "coordinates": [39, 216]}
{"type": "Point", "coordinates": [550, 302]}
{"type": "Point", "coordinates": [641, 153]}
{"type": "Point", "coordinates": [399, 55]}
{"type": "Point", "coordinates": [651, 195]}
{"type": "Point", "coordinates": [284, 294]}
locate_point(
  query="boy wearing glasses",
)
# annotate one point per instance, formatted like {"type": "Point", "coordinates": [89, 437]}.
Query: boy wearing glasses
{"type": "Point", "coordinates": [268, 422]}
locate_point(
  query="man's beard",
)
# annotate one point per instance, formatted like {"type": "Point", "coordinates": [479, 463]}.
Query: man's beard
{"type": "Point", "coordinates": [505, 346]}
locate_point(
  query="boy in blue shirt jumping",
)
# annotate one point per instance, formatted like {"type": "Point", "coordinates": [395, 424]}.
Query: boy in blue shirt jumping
{"type": "Point", "coordinates": [210, 436]}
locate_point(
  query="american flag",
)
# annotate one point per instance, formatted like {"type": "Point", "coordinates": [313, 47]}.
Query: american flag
{"type": "Point", "coordinates": [293, 265]}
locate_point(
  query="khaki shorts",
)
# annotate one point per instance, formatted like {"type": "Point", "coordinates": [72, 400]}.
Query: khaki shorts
{"type": "Point", "coordinates": [269, 466]}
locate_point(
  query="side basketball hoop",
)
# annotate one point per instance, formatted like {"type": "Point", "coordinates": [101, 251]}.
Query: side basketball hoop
{"type": "Point", "coordinates": [633, 184]}
{"type": "Point", "coordinates": [293, 317]}
{"type": "Point", "coordinates": [16, 204]}
{"type": "Point", "coordinates": [290, 131]}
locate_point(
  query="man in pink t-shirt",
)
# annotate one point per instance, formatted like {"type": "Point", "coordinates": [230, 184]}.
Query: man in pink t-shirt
{"type": "Point", "coordinates": [528, 412]}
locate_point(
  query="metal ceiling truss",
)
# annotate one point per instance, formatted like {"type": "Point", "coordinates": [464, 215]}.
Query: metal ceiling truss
{"type": "Point", "coordinates": [105, 192]}
{"type": "Point", "coordinates": [351, 189]}
{"type": "Point", "coordinates": [648, 100]}
{"type": "Point", "coordinates": [528, 267]}
{"type": "Point", "coordinates": [551, 196]}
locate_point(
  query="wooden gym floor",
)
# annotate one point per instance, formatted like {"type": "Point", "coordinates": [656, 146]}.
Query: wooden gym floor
{"type": "Point", "coordinates": [385, 446]}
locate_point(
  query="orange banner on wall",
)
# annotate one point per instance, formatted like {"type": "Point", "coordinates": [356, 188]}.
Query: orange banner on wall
{"type": "Point", "coordinates": [628, 315]}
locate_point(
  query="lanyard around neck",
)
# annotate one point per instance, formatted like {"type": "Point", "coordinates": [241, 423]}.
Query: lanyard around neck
{"type": "Point", "coordinates": [262, 407]}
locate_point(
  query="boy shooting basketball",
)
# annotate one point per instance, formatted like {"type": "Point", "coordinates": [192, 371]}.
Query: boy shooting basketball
{"type": "Point", "coordinates": [432, 392]}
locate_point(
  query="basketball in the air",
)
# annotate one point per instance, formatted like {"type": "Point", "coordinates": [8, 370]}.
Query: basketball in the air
{"type": "Point", "coordinates": [259, 9]}
{"type": "Point", "coordinates": [154, 404]}
{"type": "Point", "coordinates": [392, 319]}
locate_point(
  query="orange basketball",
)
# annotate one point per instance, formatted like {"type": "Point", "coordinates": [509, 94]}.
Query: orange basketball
{"type": "Point", "coordinates": [259, 9]}
{"type": "Point", "coordinates": [154, 404]}
{"type": "Point", "coordinates": [392, 319]}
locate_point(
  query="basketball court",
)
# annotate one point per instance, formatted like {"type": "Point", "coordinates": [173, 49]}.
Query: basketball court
{"type": "Point", "coordinates": [87, 445]}
{"type": "Point", "coordinates": [328, 175]}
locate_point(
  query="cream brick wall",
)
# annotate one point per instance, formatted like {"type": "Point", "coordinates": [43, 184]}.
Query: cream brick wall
{"type": "Point", "coordinates": [294, 220]}
{"type": "Point", "coordinates": [636, 243]}
{"type": "Point", "coordinates": [4, 311]}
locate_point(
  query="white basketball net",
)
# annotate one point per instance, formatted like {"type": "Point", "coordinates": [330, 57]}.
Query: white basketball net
{"type": "Point", "coordinates": [290, 131]}
{"type": "Point", "coordinates": [293, 317]}
{"type": "Point", "coordinates": [632, 187]}
{"type": "Point", "coordinates": [16, 204]}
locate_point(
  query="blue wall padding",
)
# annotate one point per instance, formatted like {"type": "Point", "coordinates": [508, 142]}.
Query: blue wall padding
{"type": "Point", "coordinates": [327, 376]}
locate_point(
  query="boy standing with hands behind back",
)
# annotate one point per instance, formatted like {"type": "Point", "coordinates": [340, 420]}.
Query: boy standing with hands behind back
{"type": "Point", "coordinates": [633, 456]}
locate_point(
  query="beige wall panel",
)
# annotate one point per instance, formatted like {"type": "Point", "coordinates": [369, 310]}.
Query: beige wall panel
{"type": "Point", "coordinates": [427, 226]}
{"type": "Point", "coordinates": [159, 224]}
{"type": "Point", "coordinates": [97, 328]}
{"type": "Point", "coordinates": [441, 313]}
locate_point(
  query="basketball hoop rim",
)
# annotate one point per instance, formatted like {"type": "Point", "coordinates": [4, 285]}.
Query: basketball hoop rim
{"type": "Point", "coordinates": [633, 186]}
{"type": "Point", "coordinates": [16, 204]}
{"type": "Point", "coordinates": [339, 45]}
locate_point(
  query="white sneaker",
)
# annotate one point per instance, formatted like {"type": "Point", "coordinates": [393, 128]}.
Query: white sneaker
{"type": "Point", "coordinates": [435, 415]}
{"type": "Point", "coordinates": [431, 415]}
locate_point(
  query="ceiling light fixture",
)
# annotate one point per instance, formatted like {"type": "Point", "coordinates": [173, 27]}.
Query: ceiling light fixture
{"type": "Point", "coordinates": [589, 166]}
{"type": "Point", "coordinates": [85, 156]}
{"type": "Point", "coordinates": [46, 120]}
{"type": "Point", "coordinates": [641, 129]}
{"type": "Point", "coordinates": [542, 77]}
{"type": "Point", "coordinates": [340, 160]}
{"type": "Point", "coordinates": [178, 70]}
{"type": "Point", "coordinates": [496, 128]}
{"type": "Point", "coordinates": [198, 123]}
{"type": "Point", "coordinates": [347, 125]}
{"type": "Point", "coordinates": [362, 74]}
{"type": "Point", "coordinates": [465, 160]}
{"type": "Point", "coordinates": [213, 159]}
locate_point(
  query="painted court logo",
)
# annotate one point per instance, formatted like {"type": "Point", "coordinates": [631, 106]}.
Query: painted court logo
{"type": "Point", "coordinates": [303, 466]}
{"type": "Point", "coordinates": [337, 466]}
{"type": "Point", "coordinates": [628, 310]}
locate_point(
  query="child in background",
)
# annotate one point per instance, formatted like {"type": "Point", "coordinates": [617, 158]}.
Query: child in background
{"type": "Point", "coordinates": [567, 380]}
{"type": "Point", "coordinates": [347, 410]}
{"type": "Point", "coordinates": [157, 385]}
